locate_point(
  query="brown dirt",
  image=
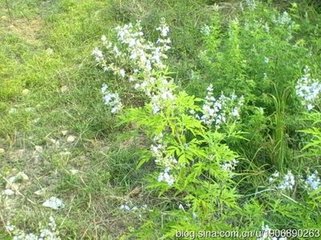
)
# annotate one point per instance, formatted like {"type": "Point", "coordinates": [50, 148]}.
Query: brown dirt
{"type": "Point", "coordinates": [27, 29]}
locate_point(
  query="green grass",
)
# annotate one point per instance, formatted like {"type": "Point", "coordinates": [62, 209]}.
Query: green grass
{"type": "Point", "coordinates": [49, 84]}
{"type": "Point", "coordinates": [46, 48]}
{"type": "Point", "coordinates": [50, 90]}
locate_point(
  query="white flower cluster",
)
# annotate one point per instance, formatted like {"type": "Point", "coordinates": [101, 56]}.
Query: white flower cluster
{"type": "Point", "coordinates": [219, 110]}
{"type": "Point", "coordinates": [142, 64]}
{"type": "Point", "coordinates": [49, 233]}
{"type": "Point", "coordinates": [144, 58]}
{"type": "Point", "coordinates": [166, 177]}
{"type": "Point", "coordinates": [229, 166]}
{"type": "Point", "coordinates": [251, 4]}
{"type": "Point", "coordinates": [266, 234]}
{"type": "Point", "coordinates": [111, 99]}
{"type": "Point", "coordinates": [283, 19]}
{"type": "Point", "coordinates": [163, 96]}
{"type": "Point", "coordinates": [286, 183]}
{"type": "Point", "coordinates": [313, 181]}
{"type": "Point", "coordinates": [158, 150]}
{"type": "Point", "coordinates": [308, 89]}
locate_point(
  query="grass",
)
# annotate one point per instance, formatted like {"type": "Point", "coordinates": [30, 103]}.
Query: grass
{"type": "Point", "coordinates": [49, 85]}
{"type": "Point", "coordinates": [49, 90]}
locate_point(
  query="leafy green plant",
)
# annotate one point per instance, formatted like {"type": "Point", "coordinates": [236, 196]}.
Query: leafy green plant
{"type": "Point", "coordinates": [193, 162]}
{"type": "Point", "coordinates": [194, 144]}
{"type": "Point", "coordinates": [260, 54]}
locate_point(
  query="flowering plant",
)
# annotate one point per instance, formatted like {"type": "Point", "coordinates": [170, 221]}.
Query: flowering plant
{"type": "Point", "coordinates": [195, 165]}
{"type": "Point", "coordinates": [187, 146]}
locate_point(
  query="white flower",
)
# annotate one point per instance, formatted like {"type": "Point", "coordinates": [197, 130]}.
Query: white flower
{"type": "Point", "coordinates": [284, 19]}
{"type": "Point", "coordinates": [210, 89]}
{"type": "Point", "coordinates": [103, 38]}
{"type": "Point", "coordinates": [111, 99]}
{"type": "Point", "coordinates": [308, 89]}
{"type": "Point", "coordinates": [309, 106]}
{"type": "Point", "coordinates": [98, 54]}
{"type": "Point", "coordinates": [218, 111]}
{"type": "Point", "coordinates": [229, 166]}
{"type": "Point", "coordinates": [167, 95]}
{"type": "Point", "coordinates": [288, 182]}
{"type": "Point", "coordinates": [31, 236]}
{"type": "Point", "coordinates": [180, 206]}
{"type": "Point", "coordinates": [274, 177]}
{"type": "Point", "coordinates": [166, 177]}
{"type": "Point", "coordinates": [313, 181]}
{"type": "Point", "coordinates": [163, 28]}
{"type": "Point", "coordinates": [116, 51]}
{"type": "Point", "coordinates": [9, 228]}
{"type": "Point", "coordinates": [251, 4]}
{"type": "Point", "coordinates": [235, 112]}
{"type": "Point", "coordinates": [125, 207]}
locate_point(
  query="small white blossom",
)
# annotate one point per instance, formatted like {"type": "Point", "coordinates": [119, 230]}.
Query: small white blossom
{"type": "Point", "coordinates": [284, 19]}
{"type": "Point", "coordinates": [125, 207]}
{"type": "Point", "coordinates": [163, 28]}
{"type": "Point", "coordinates": [181, 207]}
{"type": "Point", "coordinates": [229, 165]}
{"type": "Point", "coordinates": [98, 54]}
{"type": "Point", "coordinates": [111, 99]}
{"type": "Point", "coordinates": [166, 177]}
{"type": "Point", "coordinates": [274, 177]}
{"type": "Point", "coordinates": [313, 181]}
{"type": "Point", "coordinates": [9, 228]}
{"type": "Point", "coordinates": [288, 182]}
{"type": "Point", "coordinates": [116, 51]}
{"type": "Point", "coordinates": [128, 207]}
{"type": "Point", "coordinates": [103, 38]}
{"type": "Point", "coordinates": [308, 89]}
{"type": "Point", "coordinates": [251, 4]}
{"type": "Point", "coordinates": [235, 112]}
{"type": "Point", "coordinates": [217, 111]}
